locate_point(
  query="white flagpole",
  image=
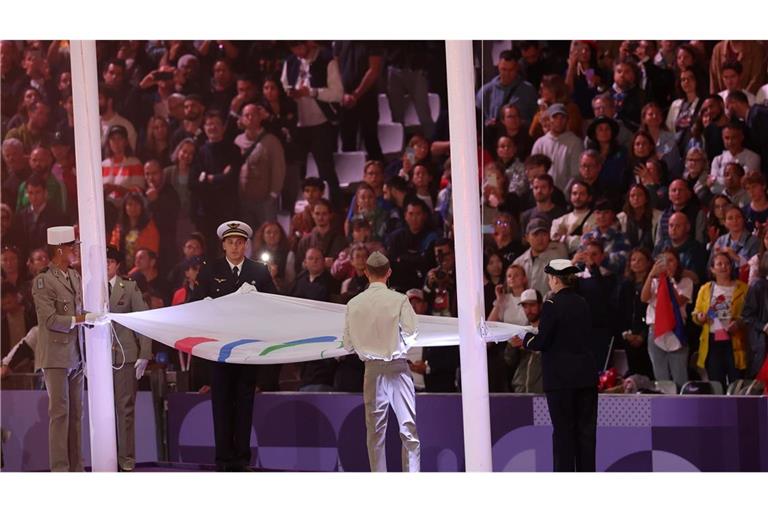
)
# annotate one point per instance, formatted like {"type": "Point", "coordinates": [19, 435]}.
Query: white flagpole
{"type": "Point", "coordinates": [101, 402]}
{"type": "Point", "coordinates": [469, 260]}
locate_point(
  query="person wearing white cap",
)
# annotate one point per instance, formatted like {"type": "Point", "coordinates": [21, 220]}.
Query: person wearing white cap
{"type": "Point", "coordinates": [569, 369]}
{"type": "Point", "coordinates": [58, 297]}
{"type": "Point", "coordinates": [232, 385]}
{"type": "Point", "coordinates": [380, 325]}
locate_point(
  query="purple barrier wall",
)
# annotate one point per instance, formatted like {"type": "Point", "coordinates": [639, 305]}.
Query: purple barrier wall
{"type": "Point", "coordinates": [326, 432]}
{"type": "Point", "coordinates": [25, 415]}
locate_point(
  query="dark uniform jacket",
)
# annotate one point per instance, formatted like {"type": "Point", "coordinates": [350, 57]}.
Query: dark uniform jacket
{"type": "Point", "coordinates": [565, 329]}
{"type": "Point", "coordinates": [216, 279]}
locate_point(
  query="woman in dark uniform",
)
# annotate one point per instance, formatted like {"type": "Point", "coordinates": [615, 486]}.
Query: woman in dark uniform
{"type": "Point", "coordinates": [569, 369]}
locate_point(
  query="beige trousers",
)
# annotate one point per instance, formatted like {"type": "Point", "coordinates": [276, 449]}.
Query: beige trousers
{"type": "Point", "coordinates": [65, 412]}
{"type": "Point", "coordinates": [125, 385]}
{"type": "Point", "coordinates": [389, 383]}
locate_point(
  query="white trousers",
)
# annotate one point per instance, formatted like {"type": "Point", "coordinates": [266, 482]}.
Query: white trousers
{"type": "Point", "coordinates": [389, 383]}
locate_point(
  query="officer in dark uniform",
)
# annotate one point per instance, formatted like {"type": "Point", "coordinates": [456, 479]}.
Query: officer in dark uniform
{"type": "Point", "coordinates": [233, 385]}
{"type": "Point", "coordinates": [569, 369]}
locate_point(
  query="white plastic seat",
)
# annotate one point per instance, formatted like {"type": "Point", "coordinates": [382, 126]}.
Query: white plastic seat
{"type": "Point", "coordinates": [349, 166]}
{"type": "Point", "coordinates": [391, 137]}
{"type": "Point", "coordinates": [665, 386]}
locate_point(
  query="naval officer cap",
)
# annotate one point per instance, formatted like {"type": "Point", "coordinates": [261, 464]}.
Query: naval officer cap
{"type": "Point", "coordinates": [376, 260]}
{"type": "Point", "coordinates": [234, 228]}
{"type": "Point", "coordinates": [61, 235]}
{"type": "Point", "coordinates": [561, 267]}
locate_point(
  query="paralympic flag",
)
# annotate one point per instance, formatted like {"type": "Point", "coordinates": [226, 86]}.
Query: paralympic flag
{"type": "Point", "coordinates": [250, 327]}
{"type": "Point", "coordinates": [669, 329]}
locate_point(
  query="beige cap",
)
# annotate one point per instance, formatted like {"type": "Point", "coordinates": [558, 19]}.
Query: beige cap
{"type": "Point", "coordinates": [234, 228]}
{"type": "Point", "coordinates": [59, 235]}
{"type": "Point", "coordinates": [377, 260]}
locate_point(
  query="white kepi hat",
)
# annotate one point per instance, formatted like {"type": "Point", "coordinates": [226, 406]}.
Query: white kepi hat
{"type": "Point", "coordinates": [234, 228]}
{"type": "Point", "coordinates": [561, 267]}
{"type": "Point", "coordinates": [60, 235]}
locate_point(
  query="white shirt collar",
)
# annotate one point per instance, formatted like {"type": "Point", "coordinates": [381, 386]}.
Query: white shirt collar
{"type": "Point", "coordinates": [113, 281]}
{"type": "Point", "coordinates": [232, 265]}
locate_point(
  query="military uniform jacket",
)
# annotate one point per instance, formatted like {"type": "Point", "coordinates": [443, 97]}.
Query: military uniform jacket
{"type": "Point", "coordinates": [57, 300]}
{"type": "Point", "coordinates": [565, 330]}
{"type": "Point", "coordinates": [216, 279]}
{"type": "Point", "coordinates": [127, 298]}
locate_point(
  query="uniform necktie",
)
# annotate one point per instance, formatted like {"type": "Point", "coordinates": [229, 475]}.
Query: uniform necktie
{"type": "Point", "coordinates": [235, 272]}
{"type": "Point", "coordinates": [109, 288]}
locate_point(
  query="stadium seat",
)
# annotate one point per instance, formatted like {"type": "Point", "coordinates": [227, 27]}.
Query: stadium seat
{"type": "Point", "coordinates": [391, 138]}
{"type": "Point", "coordinates": [665, 386]}
{"type": "Point", "coordinates": [349, 166]}
{"type": "Point", "coordinates": [746, 387]}
{"type": "Point", "coordinates": [702, 387]}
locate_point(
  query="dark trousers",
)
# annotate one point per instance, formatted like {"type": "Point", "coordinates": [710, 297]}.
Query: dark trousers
{"type": "Point", "coordinates": [574, 428]}
{"type": "Point", "coordinates": [321, 141]}
{"type": "Point", "coordinates": [720, 364]}
{"type": "Point", "coordinates": [232, 390]}
{"type": "Point", "coordinates": [365, 116]}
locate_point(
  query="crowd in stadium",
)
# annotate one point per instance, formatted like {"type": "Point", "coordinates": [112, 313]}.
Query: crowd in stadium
{"type": "Point", "coordinates": [645, 162]}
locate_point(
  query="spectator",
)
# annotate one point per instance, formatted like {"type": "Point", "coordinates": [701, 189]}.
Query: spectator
{"type": "Point", "coordinates": [553, 90]}
{"type": "Point", "coordinates": [410, 248]}
{"type": "Point", "coordinates": [511, 125]}
{"type": "Point", "coordinates": [722, 346]}
{"type": "Point", "coordinates": [756, 211]}
{"type": "Point", "coordinates": [541, 251]}
{"type": "Point", "coordinates": [222, 89]}
{"type": "Point", "coordinates": [156, 143]}
{"type": "Point", "coordinates": [495, 196]}
{"type": "Point", "coordinates": [28, 98]}
{"type": "Point", "coordinates": [324, 236]}
{"type": "Point", "coordinates": [178, 176]}
{"type": "Point", "coordinates": [506, 306]}
{"type": "Point", "coordinates": [440, 282]}
{"type": "Point", "coordinates": [508, 161]}
{"type": "Point", "coordinates": [148, 278]}
{"type": "Point", "coordinates": [311, 77]}
{"type": "Point", "coordinates": [33, 220]}
{"type": "Point", "coordinates": [665, 141]}
{"type": "Point", "coordinates": [507, 87]}
{"type": "Point", "coordinates": [15, 169]}
{"type": "Point", "coordinates": [215, 179]}
{"type": "Point", "coordinates": [63, 150]}
{"type": "Point", "coordinates": [163, 204]}
{"type": "Point", "coordinates": [396, 192]}
{"type": "Point", "coordinates": [13, 272]}
{"type": "Point", "coordinates": [41, 162]}
{"type": "Point", "coordinates": [35, 131]}
{"type": "Point", "coordinates": [342, 267]}
{"type": "Point", "coordinates": [755, 318]}
{"type": "Point", "coordinates": [730, 76]}
{"type": "Point", "coordinates": [194, 245]}
{"type": "Point", "coordinates": [755, 119]}
{"type": "Point", "coordinates": [632, 313]}
{"type": "Point", "coordinates": [561, 146]}
{"type": "Point", "coordinates": [684, 110]}
{"type": "Point", "coordinates": [603, 136]}
{"type": "Point", "coordinates": [732, 180]}
{"type": "Point", "coordinates": [302, 222]}
{"type": "Point", "coordinates": [417, 152]}
{"type": "Point", "coordinates": [749, 54]}
{"type": "Point", "coordinates": [638, 221]}
{"type": "Point", "coordinates": [583, 77]}
{"type": "Point", "coordinates": [355, 284]}
{"type": "Point", "coordinates": [733, 141]}
{"type": "Point", "coordinates": [122, 172]}
{"type": "Point", "coordinates": [605, 106]}
{"type": "Point", "coordinates": [110, 118]}
{"type": "Point", "coordinates": [690, 252]}
{"type": "Point", "coordinates": [657, 83]}
{"type": "Point", "coordinates": [408, 77]}
{"type": "Point", "coordinates": [526, 364]}
{"type": "Point", "coordinates": [373, 176]}
{"type": "Point", "coordinates": [625, 92]}
{"type": "Point", "coordinates": [191, 268]}
{"type": "Point", "coordinates": [754, 261]}
{"type": "Point", "coordinates": [493, 275]}
{"type": "Point", "coordinates": [669, 362]}
{"type": "Point", "coordinates": [614, 244]}
{"type": "Point", "coordinates": [545, 208]}
{"type": "Point", "coordinates": [739, 244]}
{"type": "Point", "coordinates": [714, 122]}
{"type": "Point", "coordinates": [192, 125]}
{"type": "Point", "coordinates": [263, 173]}
{"type": "Point", "coordinates": [422, 185]}
{"type": "Point", "coordinates": [360, 64]}
{"type": "Point", "coordinates": [696, 173]}
{"type": "Point", "coordinates": [505, 238]}
{"type": "Point", "coordinates": [590, 168]}
{"type": "Point", "coordinates": [136, 229]}
{"type": "Point", "coordinates": [271, 240]}
{"type": "Point", "coordinates": [569, 227]}
{"type": "Point", "coordinates": [681, 200]}
{"type": "Point", "coordinates": [18, 317]}
{"type": "Point", "coordinates": [366, 208]}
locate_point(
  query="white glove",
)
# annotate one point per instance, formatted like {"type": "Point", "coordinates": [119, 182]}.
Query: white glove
{"type": "Point", "coordinates": [141, 366]}
{"type": "Point", "coordinates": [96, 318]}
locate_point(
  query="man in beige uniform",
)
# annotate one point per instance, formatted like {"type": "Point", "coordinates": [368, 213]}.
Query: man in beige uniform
{"type": "Point", "coordinates": [59, 303]}
{"type": "Point", "coordinates": [131, 353]}
{"type": "Point", "coordinates": [380, 325]}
